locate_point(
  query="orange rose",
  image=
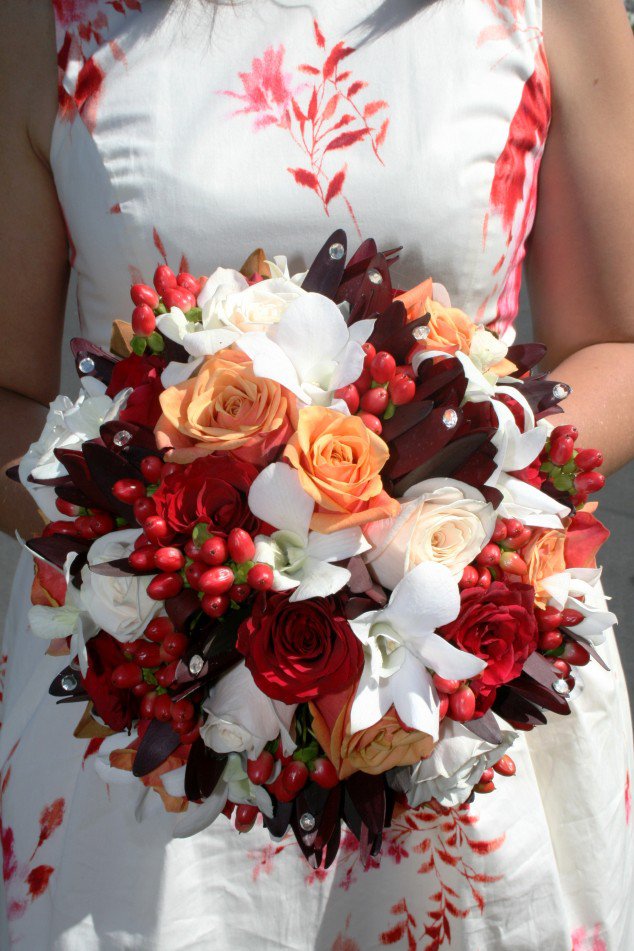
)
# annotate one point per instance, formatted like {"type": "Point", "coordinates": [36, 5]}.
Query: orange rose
{"type": "Point", "coordinates": [338, 461]}
{"type": "Point", "coordinates": [383, 746]}
{"type": "Point", "coordinates": [450, 329]}
{"type": "Point", "coordinates": [415, 300]}
{"type": "Point", "coordinates": [544, 556]}
{"type": "Point", "coordinates": [225, 407]}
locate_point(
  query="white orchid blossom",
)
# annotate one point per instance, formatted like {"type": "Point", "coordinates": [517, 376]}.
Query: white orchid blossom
{"type": "Point", "coordinates": [400, 645]}
{"type": "Point", "coordinates": [311, 351]}
{"type": "Point", "coordinates": [579, 589]}
{"type": "Point", "coordinates": [300, 559]}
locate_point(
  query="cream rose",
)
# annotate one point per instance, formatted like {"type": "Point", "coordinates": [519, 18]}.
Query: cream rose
{"type": "Point", "coordinates": [441, 520]}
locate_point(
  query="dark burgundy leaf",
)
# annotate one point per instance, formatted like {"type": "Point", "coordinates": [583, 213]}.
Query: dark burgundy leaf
{"type": "Point", "coordinates": [570, 631]}
{"type": "Point", "coordinates": [118, 569]}
{"type": "Point", "coordinates": [159, 741]}
{"type": "Point", "coordinates": [279, 822]}
{"type": "Point", "coordinates": [371, 298]}
{"type": "Point", "coordinates": [77, 468]}
{"type": "Point", "coordinates": [77, 693]}
{"type": "Point", "coordinates": [418, 445]}
{"type": "Point", "coordinates": [103, 361]}
{"type": "Point", "coordinates": [56, 548]}
{"type": "Point", "coordinates": [486, 728]}
{"type": "Point", "coordinates": [142, 439]}
{"type": "Point", "coordinates": [542, 696]}
{"type": "Point", "coordinates": [324, 274]}
{"type": "Point", "coordinates": [517, 709]}
{"type": "Point", "coordinates": [404, 418]}
{"type": "Point", "coordinates": [181, 607]}
{"type": "Point", "coordinates": [526, 355]}
{"type": "Point", "coordinates": [202, 772]}
{"type": "Point", "coordinates": [106, 468]}
{"type": "Point", "coordinates": [443, 463]}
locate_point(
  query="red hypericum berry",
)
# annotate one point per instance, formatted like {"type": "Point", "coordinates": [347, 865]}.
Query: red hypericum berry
{"type": "Point", "coordinates": [192, 550]}
{"type": "Point", "coordinates": [164, 586]}
{"type": "Point", "coordinates": [548, 618]}
{"type": "Point", "coordinates": [324, 773]}
{"type": "Point", "coordinates": [215, 605]}
{"type": "Point", "coordinates": [370, 353]}
{"type": "Point", "coordinates": [175, 644]}
{"type": "Point", "coordinates": [588, 482]}
{"type": "Point", "coordinates": [214, 551]}
{"type": "Point", "coordinates": [372, 422]}
{"type": "Point", "coordinates": [564, 430]}
{"type": "Point", "coordinates": [163, 708]}
{"type": "Point", "coordinates": [194, 573]}
{"type": "Point", "coordinates": [445, 686]}
{"type": "Point", "coordinates": [484, 578]}
{"type": "Point", "coordinates": [245, 817]}
{"type": "Point", "coordinates": [259, 770]}
{"type": "Point", "coordinates": [513, 527]}
{"type": "Point", "coordinates": [562, 667]}
{"type": "Point", "coordinates": [375, 401]}
{"type": "Point", "coordinates": [511, 562]}
{"type": "Point", "coordinates": [588, 459]}
{"type": "Point", "coordinates": [561, 450]}
{"type": "Point", "coordinates": [144, 294]}
{"type": "Point", "coordinates": [148, 655]}
{"type": "Point", "coordinates": [191, 737]}
{"type": "Point", "coordinates": [143, 509]}
{"type": "Point", "coordinates": [294, 776]}
{"type": "Point", "coordinates": [142, 559]}
{"type": "Point", "coordinates": [128, 490]}
{"type": "Point", "coordinates": [60, 528]}
{"type": "Point", "coordinates": [550, 640]}
{"type": "Point", "coordinates": [402, 390]}
{"type": "Point", "coordinates": [443, 705]}
{"type": "Point", "coordinates": [169, 559]}
{"type": "Point", "coordinates": [260, 577]}
{"type": "Point", "coordinates": [462, 704]}
{"type": "Point", "coordinates": [239, 593]}
{"type": "Point", "coordinates": [141, 689]}
{"type": "Point", "coordinates": [164, 277]}
{"type": "Point", "coordinates": [490, 555]}
{"type": "Point", "coordinates": [350, 395]}
{"type": "Point", "coordinates": [189, 282]}
{"type": "Point", "coordinates": [570, 617]}
{"type": "Point", "coordinates": [157, 529]}
{"type": "Point", "coordinates": [484, 787]}
{"type": "Point", "coordinates": [178, 297]}
{"type": "Point", "coordinates": [158, 629]}
{"type": "Point", "coordinates": [364, 382]}
{"type": "Point", "coordinates": [169, 468]}
{"type": "Point", "coordinates": [575, 653]}
{"type": "Point", "coordinates": [102, 523]}
{"type": "Point", "coordinates": [147, 705]}
{"type": "Point", "coordinates": [126, 675]}
{"type": "Point", "coordinates": [143, 320]}
{"type": "Point", "coordinates": [500, 531]}
{"type": "Point", "coordinates": [67, 508]}
{"type": "Point", "coordinates": [241, 546]}
{"type": "Point", "coordinates": [182, 727]}
{"type": "Point", "coordinates": [518, 541]}
{"type": "Point", "coordinates": [183, 710]}
{"type": "Point", "coordinates": [165, 675]}
{"type": "Point", "coordinates": [151, 467]}
{"type": "Point", "coordinates": [469, 578]}
{"type": "Point", "coordinates": [383, 367]}
{"type": "Point", "coordinates": [84, 527]}
{"type": "Point", "coordinates": [505, 766]}
{"type": "Point", "coordinates": [216, 580]}
{"type": "Point", "coordinates": [487, 775]}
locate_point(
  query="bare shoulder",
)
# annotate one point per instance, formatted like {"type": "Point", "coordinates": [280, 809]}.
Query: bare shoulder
{"type": "Point", "coordinates": [28, 69]}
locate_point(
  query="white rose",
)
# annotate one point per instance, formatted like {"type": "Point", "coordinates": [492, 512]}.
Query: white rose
{"type": "Point", "coordinates": [240, 718]}
{"type": "Point", "coordinates": [119, 605]}
{"type": "Point", "coordinates": [455, 766]}
{"type": "Point", "coordinates": [68, 425]}
{"type": "Point", "coordinates": [487, 351]}
{"type": "Point", "coordinates": [441, 520]}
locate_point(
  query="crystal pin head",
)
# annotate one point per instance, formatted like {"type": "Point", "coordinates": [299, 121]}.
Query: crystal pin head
{"type": "Point", "coordinates": [420, 333]}
{"type": "Point", "coordinates": [86, 365]}
{"type": "Point", "coordinates": [561, 687]}
{"type": "Point", "coordinates": [374, 276]}
{"type": "Point", "coordinates": [336, 251]}
{"type": "Point", "coordinates": [561, 391]}
{"type": "Point", "coordinates": [69, 682]}
{"type": "Point", "coordinates": [307, 822]}
{"type": "Point", "coordinates": [450, 418]}
{"type": "Point", "coordinates": [196, 664]}
{"type": "Point", "coordinates": [122, 438]}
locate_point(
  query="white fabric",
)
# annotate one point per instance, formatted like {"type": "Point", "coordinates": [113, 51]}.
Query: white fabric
{"type": "Point", "coordinates": [154, 161]}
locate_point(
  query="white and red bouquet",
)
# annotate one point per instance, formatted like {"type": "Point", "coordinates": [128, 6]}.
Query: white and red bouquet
{"type": "Point", "coordinates": [314, 546]}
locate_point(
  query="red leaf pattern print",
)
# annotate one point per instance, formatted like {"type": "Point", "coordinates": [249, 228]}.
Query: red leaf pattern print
{"type": "Point", "coordinates": [585, 940]}
{"type": "Point", "coordinates": [313, 111]}
{"type": "Point", "coordinates": [38, 879]}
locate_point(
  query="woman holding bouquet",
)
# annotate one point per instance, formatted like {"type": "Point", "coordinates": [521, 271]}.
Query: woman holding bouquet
{"type": "Point", "coordinates": [144, 132]}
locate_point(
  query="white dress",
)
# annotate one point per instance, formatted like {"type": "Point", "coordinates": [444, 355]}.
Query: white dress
{"type": "Point", "coordinates": [420, 124]}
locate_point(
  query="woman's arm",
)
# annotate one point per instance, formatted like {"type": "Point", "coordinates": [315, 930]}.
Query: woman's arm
{"type": "Point", "coordinates": [579, 260]}
{"type": "Point", "coordinates": [34, 258]}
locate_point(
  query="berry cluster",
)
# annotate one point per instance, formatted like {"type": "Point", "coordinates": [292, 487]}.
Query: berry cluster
{"type": "Point", "coordinates": [381, 387]}
{"type": "Point", "coordinates": [571, 470]}
{"type": "Point", "coordinates": [170, 290]}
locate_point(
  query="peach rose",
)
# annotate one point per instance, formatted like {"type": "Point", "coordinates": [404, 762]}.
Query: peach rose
{"type": "Point", "coordinates": [338, 461]}
{"type": "Point", "coordinates": [383, 746]}
{"type": "Point", "coordinates": [450, 329]}
{"type": "Point", "coordinates": [225, 407]}
{"type": "Point", "coordinates": [415, 300]}
{"type": "Point", "coordinates": [544, 556]}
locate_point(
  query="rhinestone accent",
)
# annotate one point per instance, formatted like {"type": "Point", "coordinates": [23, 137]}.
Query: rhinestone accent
{"type": "Point", "coordinates": [561, 687]}
{"type": "Point", "coordinates": [336, 251]}
{"type": "Point", "coordinates": [420, 333]}
{"type": "Point", "coordinates": [69, 683]}
{"type": "Point", "coordinates": [307, 822]}
{"type": "Point", "coordinates": [450, 418]}
{"type": "Point", "coordinates": [374, 276]}
{"type": "Point", "coordinates": [561, 391]}
{"type": "Point", "coordinates": [122, 438]}
{"type": "Point", "coordinates": [86, 365]}
{"type": "Point", "coordinates": [196, 664]}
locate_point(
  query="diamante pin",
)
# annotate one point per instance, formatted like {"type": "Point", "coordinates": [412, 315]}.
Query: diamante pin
{"type": "Point", "coordinates": [374, 276]}
{"type": "Point", "coordinates": [122, 438]}
{"type": "Point", "coordinates": [86, 365]}
{"type": "Point", "coordinates": [561, 391]}
{"type": "Point", "coordinates": [336, 251]}
{"type": "Point", "coordinates": [420, 333]}
{"type": "Point", "coordinates": [307, 822]}
{"type": "Point", "coordinates": [68, 682]}
{"type": "Point", "coordinates": [561, 687]}
{"type": "Point", "coordinates": [196, 664]}
{"type": "Point", "coordinates": [450, 418]}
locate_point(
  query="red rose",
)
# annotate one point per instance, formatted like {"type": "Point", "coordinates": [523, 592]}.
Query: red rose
{"type": "Point", "coordinates": [117, 707]}
{"type": "Point", "coordinates": [212, 490]}
{"type": "Point", "coordinates": [300, 651]}
{"type": "Point", "coordinates": [143, 374]}
{"type": "Point", "coordinates": [499, 626]}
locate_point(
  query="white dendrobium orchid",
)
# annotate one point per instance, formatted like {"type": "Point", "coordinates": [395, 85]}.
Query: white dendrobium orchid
{"type": "Point", "coordinates": [311, 351]}
{"type": "Point", "coordinates": [400, 644]}
{"type": "Point", "coordinates": [68, 425]}
{"type": "Point", "coordinates": [300, 559]}
{"type": "Point", "coordinates": [70, 619]}
{"type": "Point", "coordinates": [579, 589]}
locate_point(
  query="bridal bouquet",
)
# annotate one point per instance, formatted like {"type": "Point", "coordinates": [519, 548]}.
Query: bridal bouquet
{"type": "Point", "coordinates": [314, 549]}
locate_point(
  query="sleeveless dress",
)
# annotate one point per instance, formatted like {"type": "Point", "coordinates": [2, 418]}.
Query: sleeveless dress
{"type": "Point", "coordinates": [191, 137]}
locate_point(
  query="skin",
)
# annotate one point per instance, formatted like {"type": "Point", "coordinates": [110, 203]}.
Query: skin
{"type": "Point", "coordinates": [579, 273]}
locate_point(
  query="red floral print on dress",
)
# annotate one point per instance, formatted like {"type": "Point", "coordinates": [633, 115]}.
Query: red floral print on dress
{"type": "Point", "coordinates": [322, 113]}
{"type": "Point", "coordinates": [585, 940]}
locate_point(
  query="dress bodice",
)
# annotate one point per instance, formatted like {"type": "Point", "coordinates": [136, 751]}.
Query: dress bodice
{"type": "Point", "coordinates": [192, 134]}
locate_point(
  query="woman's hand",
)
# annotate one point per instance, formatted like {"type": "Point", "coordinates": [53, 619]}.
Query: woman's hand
{"type": "Point", "coordinates": [579, 258]}
{"type": "Point", "coordinates": [34, 259]}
